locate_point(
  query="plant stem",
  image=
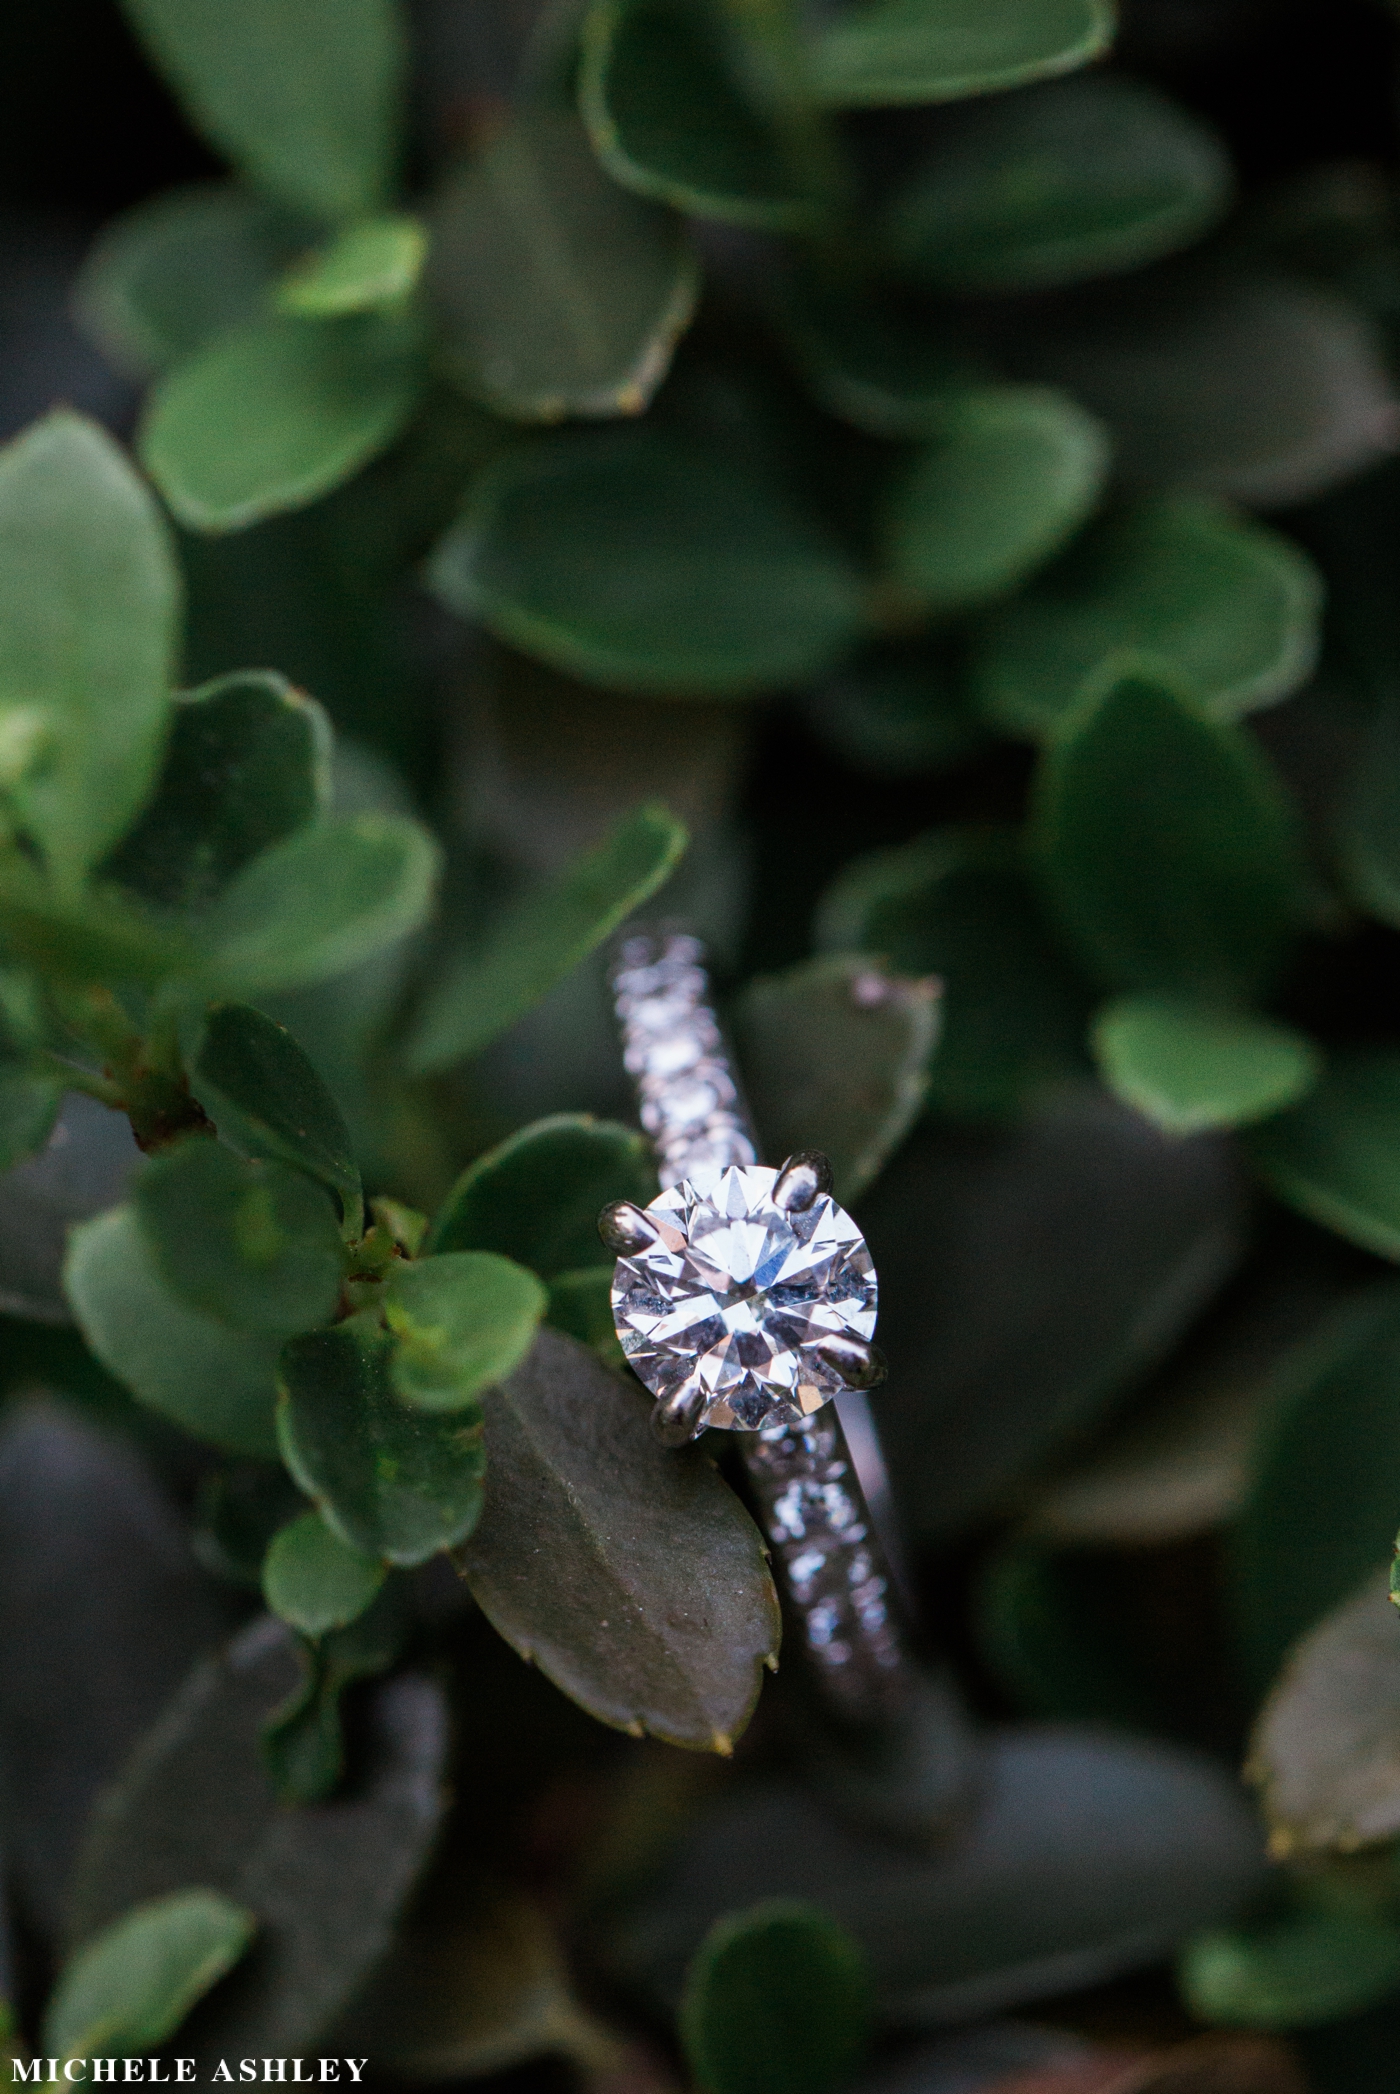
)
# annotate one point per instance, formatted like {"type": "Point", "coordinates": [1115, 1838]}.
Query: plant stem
{"type": "Point", "coordinates": [142, 1077]}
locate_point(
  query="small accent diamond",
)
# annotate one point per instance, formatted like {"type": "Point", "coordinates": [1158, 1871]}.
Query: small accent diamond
{"type": "Point", "coordinates": [739, 1295]}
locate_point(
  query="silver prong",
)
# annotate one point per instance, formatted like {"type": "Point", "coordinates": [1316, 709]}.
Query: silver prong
{"type": "Point", "coordinates": [676, 1419]}
{"type": "Point", "coordinates": [626, 1228]}
{"type": "Point", "coordinates": [802, 1179]}
{"type": "Point", "coordinates": [860, 1364]}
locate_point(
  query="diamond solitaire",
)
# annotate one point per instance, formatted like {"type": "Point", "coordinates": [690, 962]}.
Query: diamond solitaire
{"type": "Point", "coordinates": [738, 1299]}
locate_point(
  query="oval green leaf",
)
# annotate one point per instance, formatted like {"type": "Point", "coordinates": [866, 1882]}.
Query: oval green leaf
{"type": "Point", "coordinates": [1298, 1971]}
{"type": "Point", "coordinates": [463, 1321]}
{"type": "Point", "coordinates": [881, 52]}
{"type": "Point", "coordinates": [536, 1197]}
{"type": "Point", "coordinates": [777, 2001]}
{"type": "Point", "coordinates": [313, 1582]}
{"type": "Point", "coordinates": [1336, 1158]}
{"type": "Point", "coordinates": [1188, 1066]}
{"type": "Point", "coordinates": [372, 263]}
{"type": "Point", "coordinates": [1226, 604]}
{"type": "Point", "coordinates": [132, 1985]}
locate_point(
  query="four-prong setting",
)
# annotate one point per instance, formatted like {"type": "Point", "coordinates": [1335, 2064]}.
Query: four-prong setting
{"type": "Point", "coordinates": [626, 1229]}
{"type": "Point", "coordinates": [860, 1364]}
{"type": "Point", "coordinates": [802, 1180]}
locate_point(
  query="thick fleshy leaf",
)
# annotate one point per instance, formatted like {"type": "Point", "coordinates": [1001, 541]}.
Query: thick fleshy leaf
{"type": "Point", "coordinates": [29, 1106]}
{"type": "Point", "coordinates": [542, 937]}
{"type": "Point", "coordinates": [313, 1581]}
{"type": "Point", "coordinates": [1011, 474]}
{"type": "Point", "coordinates": [876, 52]}
{"type": "Point", "coordinates": [266, 1099]}
{"type": "Point", "coordinates": [898, 711]}
{"type": "Point", "coordinates": [631, 1576]}
{"type": "Point", "coordinates": [89, 610]}
{"type": "Point", "coordinates": [581, 550]}
{"type": "Point", "coordinates": [93, 935]}
{"type": "Point", "coordinates": [835, 1055]}
{"type": "Point", "coordinates": [959, 904]}
{"type": "Point", "coordinates": [1073, 179]}
{"type": "Point", "coordinates": [876, 364]}
{"type": "Point", "coordinates": [463, 1320]}
{"type": "Point", "coordinates": [302, 95]}
{"type": "Point", "coordinates": [274, 414]}
{"type": "Point", "coordinates": [1319, 1514]}
{"type": "Point", "coordinates": [559, 293]}
{"type": "Point", "coordinates": [131, 1986]}
{"type": "Point", "coordinates": [303, 1740]}
{"type": "Point", "coordinates": [1336, 1157]}
{"type": "Point", "coordinates": [580, 1304]}
{"type": "Point", "coordinates": [181, 268]}
{"type": "Point", "coordinates": [247, 763]}
{"type": "Point", "coordinates": [1188, 1066]}
{"type": "Point", "coordinates": [327, 1886]}
{"type": "Point", "coordinates": [669, 117]}
{"type": "Point", "coordinates": [1297, 1971]}
{"type": "Point", "coordinates": [537, 1196]}
{"type": "Point", "coordinates": [1324, 1750]}
{"type": "Point", "coordinates": [217, 1383]}
{"type": "Point", "coordinates": [777, 2001]}
{"type": "Point", "coordinates": [375, 262]}
{"type": "Point", "coordinates": [1027, 1278]}
{"type": "Point", "coordinates": [392, 1482]}
{"type": "Point", "coordinates": [1203, 889]}
{"type": "Point", "coordinates": [317, 903]}
{"type": "Point", "coordinates": [252, 1244]}
{"type": "Point", "coordinates": [1131, 1845]}
{"type": "Point", "coordinates": [1229, 606]}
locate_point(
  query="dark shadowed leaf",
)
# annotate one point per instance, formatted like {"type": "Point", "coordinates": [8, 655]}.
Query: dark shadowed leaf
{"type": "Point", "coordinates": [274, 414]}
{"type": "Point", "coordinates": [1336, 1157]}
{"type": "Point", "coordinates": [1202, 890]}
{"type": "Point", "coordinates": [1026, 1279]}
{"type": "Point", "coordinates": [303, 1739]}
{"type": "Point", "coordinates": [1188, 1066]}
{"type": "Point", "coordinates": [1228, 605]}
{"type": "Point", "coordinates": [180, 268]}
{"type": "Point", "coordinates": [97, 935]}
{"type": "Point", "coordinates": [463, 1320]}
{"type": "Point", "coordinates": [538, 1195]}
{"type": "Point", "coordinates": [877, 365]}
{"type": "Point", "coordinates": [1368, 846]}
{"type": "Point", "coordinates": [266, 1099]}
{"type": "Point", "coordinates": [247, 763]}
{"type": "Point", "coordinates": [885, 51]}
{"type": "Point", "coordinates": [1296, 1971]}
{"type": "Point", "coordinates": [580, 1304]}
{"type": "Point", "coordinates": [669, 117]}
{"type": "Point", "coordinates": [302, 95]}
{"type": "Point", "coordinates": [631, 1576]}
{"type": "Point", "coordinates": [1073, 179]}
{"type": "Point", "coordinates": [29, 1105]}
{"type": "Point", "coordinates": [194, 1805]}
{"type": "Point", "coordinates": [835, 1055]}
{"type": "Point", "coordinates": [777, 2001]}
{"type": "Point", "coordinates": [375, 262]}
{"type": "Point", "coordinates": [90, 603]}
{"type": "Point", "coordinates": [132, 1985]}
{"type": "Point", "coordinates": [392, 1482]}
{"type": "Point", "coordinates": [542, 937]}
{"type": "Point", "coordinates": [87, 1165]}
{"type": "Point", "coordinates": [560, 294]}
{"type": "Point", "coordinates": [313, 1582]}
{"type": "Point", "coordinates": [240, 1507]}
{"type": "Point", "coordinates": [960, 905]}
{"type": "Point", "coordinates": [579, 550]}
{"type": "Point", "coordinates": [1010, 475]}
{"type": "Point", "coordinates": [1130, 1846]}
{"type": "Point", "coordinates": [898, 711]}
{"type": "Point", "coordinates": [217, 1383]}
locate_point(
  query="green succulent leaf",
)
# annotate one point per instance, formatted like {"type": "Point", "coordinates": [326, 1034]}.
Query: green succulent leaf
{"type": "Point", "coordinates": [391, 1482]}
{"type": "Point", "coordinates": [1297, 1971]}
{"type": "Point", "coordinates": [1188, 1066]}
{"type": "Point", "coordinates": [541, 938]}
{"type": "Point", "coordinates": [29, 1105]}
{"type": "Point", "coordinates": [559, 293]}
{"type": "Point", "coordinates": [274, 414]}
{"type": "Point", "coordinates": [898, 711]}
{"type": "Point", "coordinates": [303, 1739]}
{"type": "Point", "coordinates": [1073, 179]}
{"type": "Point", "coordinates": [1336, 1156]}
{"type": "Point", "coordinates": [317, 903]}
{"type": "Point", "coordinates": [302, 95]}
{"type": "Point", "coordinates": [90, 607]}
{"type": "Point", "coordinates": [313, 1582]}
{"type": "Point", "coordinates": [100, 935]}
{"type": "Point", "coordinates": [880, 52]}
{"type": "Point", "coordinates": [631, 1576]}
{"type": "Point", "coordinates": [1011, 474]}
{"type": "Point", "coordinates": [1226, 604]}
{"type": "Point", "coordinates": [217, 1383]}
{"type": "Point", "coordinates": [375, 262]}
{"type": "Point", "coordinates": [582, 550]}
{"type": "Point", "coordinates": [127, 1989]}
{"type": "Point", "coordinates": [246, 764]}
{"type": "Point", "coordinates": [266, 1099]}
{"type": "Point", "coordinates": [835, 1055]}
{"type": "Point", "coordinates": [580, 1305]}
{"type": "Point", "coordinates": [1167, 847]}
{"type": "Point", "coordinates": [463, 1320]}
{"type": "Point", "coordinates": [777, 2001]}
{"type": "Point", "coordinates": [536, 1196]}
{"type": "Point", "coordinates": [669, 117]}
{"type": "Point", "coordinates": [254, 1245]}
{"type": "Point", "coordinates": [875, 364]}
{"type": "Point", "coordinates": [182, 268]}
{"type": "Point", "coordinates": [960, 904]}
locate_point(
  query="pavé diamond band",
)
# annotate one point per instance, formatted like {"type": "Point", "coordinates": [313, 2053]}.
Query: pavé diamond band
{"type": "Point", "coordinates": [744, 1298]}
